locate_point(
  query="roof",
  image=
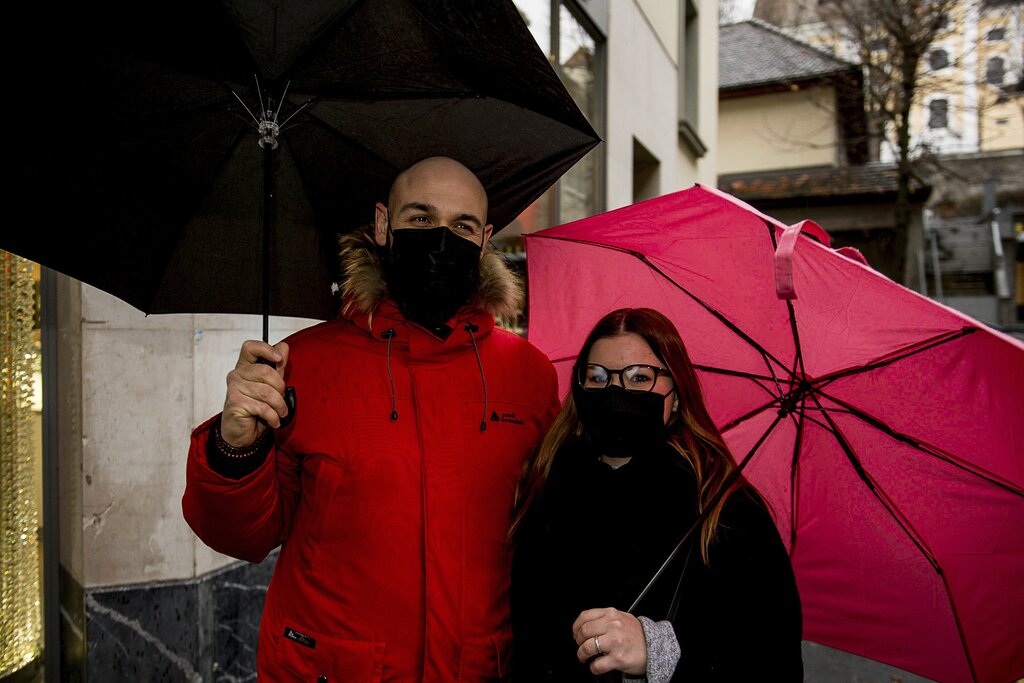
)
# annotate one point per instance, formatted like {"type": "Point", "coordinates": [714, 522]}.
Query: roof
{"type": "Point", "coordinates": [821, 185]}
{"type": "Point", "coordinates": [754, 53]}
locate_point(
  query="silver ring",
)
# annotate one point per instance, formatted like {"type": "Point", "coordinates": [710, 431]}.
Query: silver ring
{"type": "Point", "coordinates": [597, 646]}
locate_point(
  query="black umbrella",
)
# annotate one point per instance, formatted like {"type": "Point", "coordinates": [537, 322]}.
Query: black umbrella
{"type": "Point", "coordinates": [202, 156]}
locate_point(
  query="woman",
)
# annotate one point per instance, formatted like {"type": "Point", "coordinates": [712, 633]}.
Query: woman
{"type": "Point", "coordinates": [632, 462]}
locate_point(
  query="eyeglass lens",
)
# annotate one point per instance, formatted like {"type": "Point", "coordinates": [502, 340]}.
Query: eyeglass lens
{"type": "Point", "coordinates": [633, 377]}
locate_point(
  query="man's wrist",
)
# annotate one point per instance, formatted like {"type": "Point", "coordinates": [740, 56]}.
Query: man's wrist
{"type": "Point", "coordinates": [233, 462]}
{"type": "Point", "coordinates": [225, 449]}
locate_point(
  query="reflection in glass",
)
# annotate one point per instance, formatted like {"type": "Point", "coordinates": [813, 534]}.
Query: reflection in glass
{"type": "Point", "coordinates": [577, 57]}
{"type": "Point", "coordinates": [537, 15]}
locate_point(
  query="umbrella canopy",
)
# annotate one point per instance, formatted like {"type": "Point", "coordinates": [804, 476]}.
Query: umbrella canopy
{"type": "Point", "coordinates": [884, 429]}
{"type": "Point", "coordinates": [193, 153]}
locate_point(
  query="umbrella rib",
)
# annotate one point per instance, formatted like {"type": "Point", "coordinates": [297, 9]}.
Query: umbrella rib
{"type": "Point", "coordinates": [296, 112]}
{"type": "Point", "coordinates": [736, 373]}
{"type": "Point", "coordinates": [907, 527]}
{"type": "Point", "coordinates": [760, 409]}
{"type": "Point", "coordinates": [897, 355]}
{"type": "Point", "coordinates": [878, 492]}
{"type": "Point", "coordinates": [794, 482]}
{"type": "Point", "coordinates": [726, 485]}
{"type": "Point", "coordinates": [242, 102]}
{"type": "Point", "coordinates": [803, 413]}
{"type": "Point", "coordinates": [928, 449]}
{"type": "Point", "coordinates": [798, 361]}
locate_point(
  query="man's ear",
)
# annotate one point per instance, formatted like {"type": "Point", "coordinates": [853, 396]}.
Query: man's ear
{"type": "Point", "coordinates": [488, 229]}
{"type": "Point", "coordinates": [380, 224]}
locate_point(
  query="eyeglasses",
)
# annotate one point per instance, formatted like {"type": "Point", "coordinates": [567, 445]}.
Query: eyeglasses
{"type": "Point", "coordinates": [638, 378]}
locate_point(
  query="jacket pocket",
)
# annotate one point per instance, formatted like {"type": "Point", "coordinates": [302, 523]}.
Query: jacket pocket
{"type": "Point", "coordinates": [305, 658]}
{"type": "Point", "coordinates": [487, 659]}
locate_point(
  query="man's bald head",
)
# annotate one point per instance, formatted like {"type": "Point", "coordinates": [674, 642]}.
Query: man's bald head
{"type": "Point", "coordinates": [437, 191]}
{"type": "Point", "coordinates": [439, 170]}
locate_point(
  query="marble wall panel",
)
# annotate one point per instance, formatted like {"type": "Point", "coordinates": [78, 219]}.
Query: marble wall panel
{"type": "Point", "coordinates": [192, 631]}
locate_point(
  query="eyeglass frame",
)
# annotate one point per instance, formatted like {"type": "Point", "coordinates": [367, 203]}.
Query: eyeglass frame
{"type": "Point", "coordinates": [658, 372]}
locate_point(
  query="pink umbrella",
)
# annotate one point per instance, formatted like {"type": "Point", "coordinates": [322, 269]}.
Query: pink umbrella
{"type": "Point", "coordinates": [885, 430]}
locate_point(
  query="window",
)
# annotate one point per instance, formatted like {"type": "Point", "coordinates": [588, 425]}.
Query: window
{"type": "Point", "coordinates": [575, 47]}
{"type": "Point", "coordinates": [938, 59]}
{"type": "Point", "coordinates": [995, 71]}
{"type": "Point", "coordinates": [938, 114]}
{"type": "Point", "coordinates": [689, 78]}
{"type": "Point", "coordinates": [646, 173]}
{"type": "Point", "coordinates": [995, 34]}
{"type": "Point", "coordinates": [878, 45]}
{"type": "Point", "coordinates": [578, 63]}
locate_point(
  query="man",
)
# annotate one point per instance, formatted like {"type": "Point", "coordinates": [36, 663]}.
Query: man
{"type": "Point", "coordinates": [391, 488]}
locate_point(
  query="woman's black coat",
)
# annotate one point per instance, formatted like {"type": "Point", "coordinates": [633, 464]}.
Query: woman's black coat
{"type": "Point", "coordinates": [595, 536]}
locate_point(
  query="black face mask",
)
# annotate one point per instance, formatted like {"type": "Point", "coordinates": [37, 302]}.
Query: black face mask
{"type": "Point", "coordinates": [431, 273]}
{"type": "Point", "coordinates": [621, 423]}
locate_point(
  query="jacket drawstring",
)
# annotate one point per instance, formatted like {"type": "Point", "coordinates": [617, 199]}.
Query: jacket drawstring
{"type": "Point", "coordinates": [389, 334]}
{"type": "Point", "coordinates": [471, 328]}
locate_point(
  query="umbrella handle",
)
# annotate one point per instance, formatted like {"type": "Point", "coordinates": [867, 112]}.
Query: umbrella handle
{"type": "Point", "coordinates": [289, 397]}
{"type": "Point", "coordinates": [289, 400]}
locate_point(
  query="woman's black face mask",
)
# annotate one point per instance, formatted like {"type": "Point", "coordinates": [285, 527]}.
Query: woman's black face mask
{"type": "Point", "coordinates": [431, 273]}
{"type": "Point", "coordinates": [621, 423]}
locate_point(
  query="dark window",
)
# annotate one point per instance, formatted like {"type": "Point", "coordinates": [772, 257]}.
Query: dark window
{"type": "Point", "coordinates": [878, 45]}
{"type": "Point", "coordinates": [689, 78]}
{"type": "Point", "coordinates": [996, 34]}
{"type": "Point", "coordinates": [938, 59]}
{"type": "Point", "coordinates": [995, 71]}
{"type": "Point", "coordinates": [575, 46]}
{"type": "Point", "coordinates": [646, 173]}
{"type": "Point", "coordinates": [938, 114]}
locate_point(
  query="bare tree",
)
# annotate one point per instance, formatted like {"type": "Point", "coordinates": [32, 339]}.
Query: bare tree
{"type": "Point", "coordinates": [891, 41]}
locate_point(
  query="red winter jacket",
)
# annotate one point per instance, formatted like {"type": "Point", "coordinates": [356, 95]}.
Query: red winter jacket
{"type": "Point", "coordinates": [394, 562]}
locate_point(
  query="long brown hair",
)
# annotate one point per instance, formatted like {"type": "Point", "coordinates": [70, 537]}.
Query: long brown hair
{"type": "Point", "coordinates": [690, 430]}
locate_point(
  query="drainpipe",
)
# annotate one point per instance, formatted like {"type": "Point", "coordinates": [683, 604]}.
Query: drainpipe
{"type": "Point", "coordinates": [932, 238]}
{"type": "Point", "coordinates": [999, 261]}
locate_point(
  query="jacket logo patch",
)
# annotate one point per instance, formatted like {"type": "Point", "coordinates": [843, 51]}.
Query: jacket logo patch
{"type": "Point", "coordinates": [511, 418]}
{"type": "Point", "coordinates": [300, 638]}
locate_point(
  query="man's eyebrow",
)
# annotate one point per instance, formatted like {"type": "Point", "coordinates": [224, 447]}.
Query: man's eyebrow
{"type": "Point", "coordinates": [419, 206]}
{"type": "Point", "coordinates": [469, 218]}
{"type": "Point", "coordinates": [431, 209]}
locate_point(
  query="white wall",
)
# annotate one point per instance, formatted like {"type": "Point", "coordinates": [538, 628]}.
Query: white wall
{"type": "Point", "coordinates": [706, 169]}
{"type": "Point", "coordinates": [642, 95]}
{"type": "Point", "coordinates": [147, 382]}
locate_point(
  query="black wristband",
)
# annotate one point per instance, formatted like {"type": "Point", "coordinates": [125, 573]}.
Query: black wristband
{"type": "Point", "coordinates": [235, 463]}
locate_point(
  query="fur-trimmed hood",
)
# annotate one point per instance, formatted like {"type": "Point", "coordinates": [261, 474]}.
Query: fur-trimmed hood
{"type": "Point", "coordinates": [363, 288]}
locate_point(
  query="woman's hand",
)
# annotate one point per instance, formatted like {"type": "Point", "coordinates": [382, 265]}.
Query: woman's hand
{"type": "Point", "coordinates": [612, 640]}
